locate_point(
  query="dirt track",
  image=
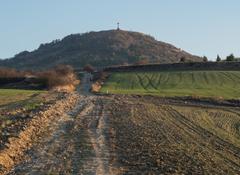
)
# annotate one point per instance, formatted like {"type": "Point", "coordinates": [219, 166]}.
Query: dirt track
{"type": "Point", "coordinates": [77, 143]}
{"type": "Point", "coordinates": [135, 135]}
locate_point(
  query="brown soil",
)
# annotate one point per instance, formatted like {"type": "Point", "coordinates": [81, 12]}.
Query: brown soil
{"type": "Point", "coordinates": [160, 137]}
{"type": "Point", "coordinates": [78, 142]}
{"type": "Point", "coordinates": [72, 137]}
{"type": "Point", "coordinates": [32, 130]}
{"type": "Point", "coordinates": [87, 134]}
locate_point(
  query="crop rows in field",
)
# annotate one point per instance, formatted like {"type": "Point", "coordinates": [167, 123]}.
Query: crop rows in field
{"type": "Point", "coordinates": [183, 83]}
{"type": "Point", "coordinates": [170, 139]}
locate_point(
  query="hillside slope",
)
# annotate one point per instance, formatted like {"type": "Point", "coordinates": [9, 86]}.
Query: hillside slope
{"type": "Point", "coordinates": [102, 48]}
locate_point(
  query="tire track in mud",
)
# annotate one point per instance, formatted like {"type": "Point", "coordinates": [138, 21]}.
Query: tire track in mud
{"type": "Point", "coordinates": [229, 77]}
{"type": "Point", "coordinates": [206, 78]}
{"type": "Point", "coordinates": [95, 124]}
{"type": "Point", "coordinates": [151, 82]}
{"type": "Point", "coordinates": [218, 144]}
{"type": "Point", "coordinates": [198, 129]}
{"type": "Point", "coordinates": [159, 80]}
{"type": "Point", "coordinates": [102, 159]}
{"type": "Point", "coordinates": [174, 142]}
{"type": "Point", "coordinates": [140, 79]}
{"type": "Point", "coordinates": [78, 144]}
{"type": "Point", "coordinates": [51, 153]}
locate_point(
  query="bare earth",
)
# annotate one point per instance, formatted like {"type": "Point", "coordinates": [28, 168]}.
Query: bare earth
{"type": "Point", "coordinates": [78, 143]}
{"type": "Point", "coordinates": [135, 135]}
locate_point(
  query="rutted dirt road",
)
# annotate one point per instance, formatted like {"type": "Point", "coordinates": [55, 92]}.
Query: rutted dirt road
{"type": "Point", "coordinates": [130, 134]}
{"type": "Point", "coordinates": [78, 143]}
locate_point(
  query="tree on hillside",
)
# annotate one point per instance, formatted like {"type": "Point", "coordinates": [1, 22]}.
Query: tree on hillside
{"type": "Point", "coordinates": [88, 68]}
{"type": "Point", "coordinates": [182, 59]}
{"type": "Point", "coordinates": [230, 57]}
{"type": "Point", "coordinates": [205, 59]}
{"type": "Point", "coordinates": [11, 73]}
{"type": "Point", "coordinates": [125, 63]}
{"type": "Point", "coordinates": [142, 61]}
{"type": "Point", "coordinates": [218, 58]}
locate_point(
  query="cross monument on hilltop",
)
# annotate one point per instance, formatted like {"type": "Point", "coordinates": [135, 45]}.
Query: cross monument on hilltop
{"type": "Point", "coordinates": [118, 28]}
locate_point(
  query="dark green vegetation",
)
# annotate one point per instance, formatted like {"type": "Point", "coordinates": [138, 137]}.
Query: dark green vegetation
{"type": "Point", "coordinates": [231, 58]}
{"type": "Point", "coordinates": [154, 136]}
{"type": "Point", "coordinates": [99, 49]}
{"type": "Point", "coordinates": [225, 84]}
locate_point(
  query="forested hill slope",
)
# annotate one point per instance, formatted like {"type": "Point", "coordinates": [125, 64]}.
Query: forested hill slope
{"type": "Point", "coordinates": [104, 48]}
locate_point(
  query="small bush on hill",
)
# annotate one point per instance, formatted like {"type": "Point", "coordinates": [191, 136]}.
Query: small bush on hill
{"type": "Point", "coordinates": [218, 58]}
{"type": "Point", "coordinates": [182, 59]}
{"type": "Point", "coordinates": [230, 58]}
{"type": "Point", "coordinates": [88, 68]}
{"type": "Point", "coordinates": [99, 78]}
{"type": "Point", "coordinates": [205, 59]}
{"type": "Point", "coordinates": [142, 61]}
{"type": "Point", "coordinates": [61, 77]}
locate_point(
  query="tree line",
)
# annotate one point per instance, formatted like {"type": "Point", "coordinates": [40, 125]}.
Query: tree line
{"type": "Point", "coordinates": [229, 58]}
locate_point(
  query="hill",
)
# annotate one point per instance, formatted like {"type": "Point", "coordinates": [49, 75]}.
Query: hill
{"type": "Point", "coordinates": [100, 49]}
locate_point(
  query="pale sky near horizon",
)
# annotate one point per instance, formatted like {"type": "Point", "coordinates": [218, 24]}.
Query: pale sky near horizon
{"type": "Point", "coordinates": [206, 27]}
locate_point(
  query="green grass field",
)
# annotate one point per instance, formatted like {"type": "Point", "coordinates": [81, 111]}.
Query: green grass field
{"type": "Point", "coordinates": [14, 95]}
{"type": "Point", "coordinates": [225, 84]}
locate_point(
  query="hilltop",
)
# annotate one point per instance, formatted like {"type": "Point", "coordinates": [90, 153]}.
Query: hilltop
{"type": "Point", "coordinates": [104, 48]}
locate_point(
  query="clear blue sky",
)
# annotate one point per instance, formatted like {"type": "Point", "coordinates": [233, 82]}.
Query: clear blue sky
{"type": "Point", "coordinates": [206, 27]}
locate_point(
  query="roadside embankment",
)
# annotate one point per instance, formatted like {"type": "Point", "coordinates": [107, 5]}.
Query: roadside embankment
{"type": "Point", "coordinates": [16, 147]}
